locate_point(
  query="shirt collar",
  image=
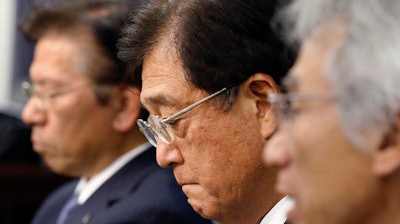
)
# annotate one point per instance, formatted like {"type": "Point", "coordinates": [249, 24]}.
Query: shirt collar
{"type": "Point", "coordinates": [85, 188]}
{"type": "Point", "coordinates": [277, 215]}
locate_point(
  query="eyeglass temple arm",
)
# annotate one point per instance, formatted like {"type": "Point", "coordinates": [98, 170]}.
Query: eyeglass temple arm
{"type": "Point", "coordinates": [184, 110]}
{"type": "Point", "coordinates": [273, 97]}
{"type": "Point", "coordinates": [26, 86]}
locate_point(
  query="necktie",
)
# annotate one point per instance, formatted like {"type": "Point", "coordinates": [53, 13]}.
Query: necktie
{"type": "Point", "coordinates": [71, 203]}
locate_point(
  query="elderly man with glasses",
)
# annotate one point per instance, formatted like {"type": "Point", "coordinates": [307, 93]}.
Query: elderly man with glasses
{"type": "Point", "coordinates": [338, 144]}
{"type": "Point", "coordinates": [205, 68]}
{"type": "Point", "coordinates": [83, 120]}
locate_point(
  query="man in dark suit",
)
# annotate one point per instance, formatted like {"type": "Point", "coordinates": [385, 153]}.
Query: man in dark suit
{"type": "Point", "coordinates": [83, 122]}
{"type": "Point", "coordinates": [205, 68]}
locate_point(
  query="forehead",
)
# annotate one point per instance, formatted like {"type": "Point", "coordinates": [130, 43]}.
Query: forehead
{"type": "Point", "coordinates": [309, 72]}
{"type": "Point", "coordinates": [59, 56]}
{"type": "Point", "coordinates": [163, 77]}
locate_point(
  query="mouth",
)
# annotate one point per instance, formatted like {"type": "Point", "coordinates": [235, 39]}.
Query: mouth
{"type": "Point", "coordinates": [188, 188]}
{"type": "Point", "coordinates": [181, 178]}
{"type": "Point", "coordinates": [186, 184]}
{"type": "Point", "coordinates": [185, 181]}
{"type": "Point", "coordinates": [37, 147]}
{"type": "Point", "coordinates": [37, 143]}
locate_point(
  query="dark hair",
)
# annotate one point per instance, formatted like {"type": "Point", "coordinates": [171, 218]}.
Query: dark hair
{"type": "Point", "coordinates": [220, 42]}
{"type": "Point", "coordinates": [103, 19]}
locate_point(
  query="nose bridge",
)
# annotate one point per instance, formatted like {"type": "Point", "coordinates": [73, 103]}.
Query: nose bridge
{"type": "Point", "coordinates": [33, 112]}
{"type": "Point", "coordinates": [168, 155]}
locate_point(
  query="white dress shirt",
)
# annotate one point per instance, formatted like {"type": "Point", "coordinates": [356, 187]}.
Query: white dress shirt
{"type": "Point", "coordinates": [85, 188]}
{"type": "Point", "coordinates": [277, 215]}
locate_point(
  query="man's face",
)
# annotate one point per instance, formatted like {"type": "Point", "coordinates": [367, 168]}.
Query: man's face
{"type": "Point", "coordinates": [216, 154]}
{"type": "Point", "coordinates": [70, 132]}
{"type": "Point", "coordinates": [327, 176]}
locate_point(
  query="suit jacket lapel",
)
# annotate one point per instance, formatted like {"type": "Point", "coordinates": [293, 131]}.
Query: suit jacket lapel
{"type": "Point", "coordinates": [120, 184]}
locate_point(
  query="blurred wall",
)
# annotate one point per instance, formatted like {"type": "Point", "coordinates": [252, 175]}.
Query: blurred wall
{"type": "Point", "coordinates": [7, 27]}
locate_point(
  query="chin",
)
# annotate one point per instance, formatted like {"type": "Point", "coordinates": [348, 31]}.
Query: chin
{"type": "Point", "coordinates": [206, 212]}
{"type": "Point", "coordinates": [62, 170]}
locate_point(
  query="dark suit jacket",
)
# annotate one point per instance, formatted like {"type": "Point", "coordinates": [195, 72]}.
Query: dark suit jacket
{"type": "Point", "coordinates": [140, 192]}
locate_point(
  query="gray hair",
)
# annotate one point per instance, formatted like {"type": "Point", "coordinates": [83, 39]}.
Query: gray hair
{"type": "Point", "coordinates": [364, 71]}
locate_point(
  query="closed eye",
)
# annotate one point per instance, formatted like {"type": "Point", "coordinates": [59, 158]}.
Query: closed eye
{"type": "Point", "coordinates": [174, 123]}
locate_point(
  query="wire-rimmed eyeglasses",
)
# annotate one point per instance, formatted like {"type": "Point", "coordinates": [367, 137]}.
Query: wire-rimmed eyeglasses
{"type": "Point", "coordinates": [158, 128]}
{"type": "Point", "coordinates": [281, 103]}
{"type": "Point", "coordinates": [44, 97]}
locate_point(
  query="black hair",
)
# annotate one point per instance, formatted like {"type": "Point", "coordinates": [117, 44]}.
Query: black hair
{"type": "Point", "coordinates": [220, 43]}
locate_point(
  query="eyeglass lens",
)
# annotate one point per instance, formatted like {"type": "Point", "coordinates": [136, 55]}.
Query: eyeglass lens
{"type": "Point", "coordinates": [147, 131]}
{"type": "Point", "coordinates": [161, 129]}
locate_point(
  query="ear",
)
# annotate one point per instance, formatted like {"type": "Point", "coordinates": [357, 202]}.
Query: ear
{"type": "Point", "coordinates": [386, 160]}
{"type": "Point", "coordinates": [127, 105]}
{"type": "Point", "coordinates": [258, 86]}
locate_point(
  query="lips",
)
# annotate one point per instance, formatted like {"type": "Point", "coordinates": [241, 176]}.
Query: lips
{"type": "Point", "coordinates": [37, 146]}
{"type": "Point", "coordinates": [181, 178]}
{"type": "Point", "coordinates": [186, 186]}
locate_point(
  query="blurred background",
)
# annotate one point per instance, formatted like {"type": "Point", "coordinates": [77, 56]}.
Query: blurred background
{"type": "Point", "coordinates": [15, 55]}
{"type": "Point", "coordinates": [24, 180]}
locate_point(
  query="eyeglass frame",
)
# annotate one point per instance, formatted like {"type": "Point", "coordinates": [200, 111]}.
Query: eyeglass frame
{"type": "Point", "coordinates": [145, 126]}
{"type": "Point", "coordinates": [46, 96]}
{"type": "Point", "coordinates": [281, 102]}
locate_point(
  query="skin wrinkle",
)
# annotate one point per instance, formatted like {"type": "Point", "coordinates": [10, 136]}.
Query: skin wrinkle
{"type": "Point", "coordinates": [63, 161]}
{"type": "Point", "coordinates": [189, 155]}
{"type": "Point", "coordinates": [309, 169]}
{"type": "Point", "coordinates": [217, 145]}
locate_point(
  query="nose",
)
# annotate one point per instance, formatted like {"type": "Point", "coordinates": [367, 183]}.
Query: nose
{"type": "Point", "coordinates": [277, 151]}
{"type": "Point", "coordinates": [32, 113]}
{"type": "Point", "coordinates": [168, 155]}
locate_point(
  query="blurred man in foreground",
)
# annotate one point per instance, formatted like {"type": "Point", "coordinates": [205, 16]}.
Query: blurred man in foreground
{"type": "Point", "coordinates": [338, 144]}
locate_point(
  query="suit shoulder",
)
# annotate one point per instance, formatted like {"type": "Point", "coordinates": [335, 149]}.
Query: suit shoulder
{"type": "Point", "coordinates": [51, 206]}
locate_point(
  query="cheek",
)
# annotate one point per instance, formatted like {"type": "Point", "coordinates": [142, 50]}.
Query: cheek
{"type": "Point", "coordinates": [74, 121]}
{"type": "Point", "coordinates": [68, 123]}
{"type": "Point", "coordinates": [218, 140]}
{"type": "Point", "coordinates": [329, 167]}
{"type": "Point", "coordinates": [61, 129]}
{"type": "Point", "coordinates": [224, 153]}
{"type": "Point", "coordinates": [68, 134]}
{"type": "Point", "coordinates": [317, 141]}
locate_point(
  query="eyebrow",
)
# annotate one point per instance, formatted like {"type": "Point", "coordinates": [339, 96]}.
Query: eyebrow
{"type": "Point", "coordinates": [161, 100]}
{"type": "Point", "coordinates": [47, 83]}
